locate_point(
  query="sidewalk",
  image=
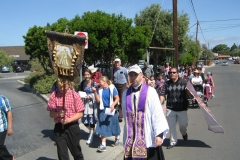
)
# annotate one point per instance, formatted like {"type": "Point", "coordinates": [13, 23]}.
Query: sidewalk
{"type": "Point", "coordinates": [49, 151]}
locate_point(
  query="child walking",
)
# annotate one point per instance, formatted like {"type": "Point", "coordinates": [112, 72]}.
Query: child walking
{"type": "Point", "coordinates": [108, 125]}
{"type": "Point", "coordinates": [67, 131]}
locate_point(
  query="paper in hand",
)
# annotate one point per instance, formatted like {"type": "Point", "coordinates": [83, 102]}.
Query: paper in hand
{"type": "Point", "coordinates": [82, 94]}
{"type": "Point", "coordinates": [108, 111]}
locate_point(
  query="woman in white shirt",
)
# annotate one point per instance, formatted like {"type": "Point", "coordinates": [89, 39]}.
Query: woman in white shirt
{"type": "Point", "coordinates": [197, 80]}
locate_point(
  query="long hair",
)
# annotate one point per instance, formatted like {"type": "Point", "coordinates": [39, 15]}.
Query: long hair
{"type": "Point", "coordinates": [105, 79]}
{"type": "Point", "coordinates": [89, 71]}
{"type": "Point", "coordinates": [62, 81]}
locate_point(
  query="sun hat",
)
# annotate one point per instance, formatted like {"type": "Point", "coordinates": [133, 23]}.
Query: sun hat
{"type": "Point", "coordinates": [196, 71]}
{"type": "Point", "coordinates": [93, 69]}
{"type": "Point", "coordinates": [208, 73]}
{"type": "Point", "coordinates": [135, 68]}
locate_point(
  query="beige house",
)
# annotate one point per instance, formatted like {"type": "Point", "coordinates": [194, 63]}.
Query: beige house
{"type": "Point", "coordinates": [18, 52]}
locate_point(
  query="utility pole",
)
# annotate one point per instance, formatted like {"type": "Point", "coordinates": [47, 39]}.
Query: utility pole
{"type": "Point", "coordinates": [197, 31]}
{"type": "Point", "coordinates": [175, 33]}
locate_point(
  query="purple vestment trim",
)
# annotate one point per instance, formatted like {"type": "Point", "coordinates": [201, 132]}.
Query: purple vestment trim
{"type": "Point", "coordinates": [135, 147]}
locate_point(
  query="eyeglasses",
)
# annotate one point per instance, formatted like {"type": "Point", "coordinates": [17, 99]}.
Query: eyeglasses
{"type": "Point", "coordinates": [172, 72]}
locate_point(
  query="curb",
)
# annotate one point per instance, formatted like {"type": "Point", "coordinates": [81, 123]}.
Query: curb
{"type": "Point", "coordinates": [27, 86]}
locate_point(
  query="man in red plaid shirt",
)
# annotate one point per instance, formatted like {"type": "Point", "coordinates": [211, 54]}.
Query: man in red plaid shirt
{"type": "Point", "coordinates": [69, 135]}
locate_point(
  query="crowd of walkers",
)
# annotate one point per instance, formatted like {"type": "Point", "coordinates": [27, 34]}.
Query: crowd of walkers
{"type": "Point", "coordinates": [132, 95]}
{"type": "Point", "coordinates": [148, 107]}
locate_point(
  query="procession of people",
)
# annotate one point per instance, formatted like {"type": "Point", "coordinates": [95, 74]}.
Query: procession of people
{"type": "Point", "coordinates": [149, 109]}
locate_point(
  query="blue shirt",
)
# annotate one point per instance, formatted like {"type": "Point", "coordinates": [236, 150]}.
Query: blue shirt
{"type": "Point", "coordinates": [120, 75]}
{"type": "Point", "coordinates": [4, 108]}
{"type": "Point", "coordinates": [106, 96]}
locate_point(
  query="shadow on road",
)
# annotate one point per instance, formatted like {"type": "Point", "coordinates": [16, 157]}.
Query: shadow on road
{"type": "Point", "coordinates": [45, 158]}
{"type": "Point", "coordinates": [28, 106]}
{"type": "Point", "coordinates": [48, 134]}
{"type": "Point", "coordinates": [188, 143]}
{"type": "Point", "coordinates": [23, 89]}
{"type": "Point", "coordinates": [96, 140]}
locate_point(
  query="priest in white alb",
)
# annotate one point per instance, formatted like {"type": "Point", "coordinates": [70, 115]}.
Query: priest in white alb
{"type": "Point", "coordinates": [145, 126]}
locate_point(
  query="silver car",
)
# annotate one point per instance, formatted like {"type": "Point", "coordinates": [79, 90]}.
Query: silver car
{"type": "Point", "coordinates": [5, 69]}
{"type": "Point", "coordinates": [224, 63]}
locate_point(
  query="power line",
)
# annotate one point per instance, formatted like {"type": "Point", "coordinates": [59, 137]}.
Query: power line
{"type": "Point", "coordinates": [156, 22]}
{"type": "Point", "coordinates": [197, 20]}
{"type": "Point", "coordinates": [222, 20]}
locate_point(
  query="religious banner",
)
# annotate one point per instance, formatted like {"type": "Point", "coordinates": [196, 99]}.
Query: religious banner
{"type": "Point", "coordinates": [213, 124]}
{"type": "Point", "coordinates": [66, 52]}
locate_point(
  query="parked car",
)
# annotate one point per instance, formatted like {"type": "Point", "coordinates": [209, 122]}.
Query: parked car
{"type": "Point", "coordinates": [236, 61]}
{"type": "Point", "coordinates": [224, 63]}
{"type": "Point", "coordinates": [18, 69]}
{"type": "Point", "coordinates": [5, 69]}
{"type": "Point", "coordinates": [217, 62]}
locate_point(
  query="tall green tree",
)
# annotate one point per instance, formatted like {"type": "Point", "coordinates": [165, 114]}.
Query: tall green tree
{"type": "Point", "coordinates": [163, 33]}
{"type": "Point", "coordinates": [36, 46]}
{"type": "Point", "coordinates": [111, 34]}
{"type": "Point", "coordinates": [221, 48]}
{"type": "Point", "coordinates": [192, 49]}
{"type": "Point", "coordinates": [234, 47]}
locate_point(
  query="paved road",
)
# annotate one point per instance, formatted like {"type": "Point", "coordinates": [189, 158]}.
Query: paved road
{"type": "Point", "coordinates": [204, 144]}
{"type": "Point", "coordinates": [14, 75]}
{"type": "Point", "coordinates": [32, 125]}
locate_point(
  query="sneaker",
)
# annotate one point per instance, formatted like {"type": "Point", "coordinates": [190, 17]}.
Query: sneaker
{"type": "Point", "coordinates": [102, 148]}
{"type": "Point", "coordinates": [185, 137]}
{"type": "Point", "coordinates": [120, 120]}
{"type": "Point", "coordinates": [212, 97]}
{"type": "Point", "coordinates": [116, 143]}
{"type": "Point", "coordinates": [89, 141]}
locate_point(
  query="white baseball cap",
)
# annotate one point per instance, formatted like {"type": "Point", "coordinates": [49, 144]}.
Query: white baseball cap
{"type": "Point", "coordinates": [117, 60]}
{"type": "Point", "coordinates": [135, 68]}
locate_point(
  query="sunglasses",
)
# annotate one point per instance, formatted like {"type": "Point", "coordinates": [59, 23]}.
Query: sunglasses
{"type": "Point", "coordinates": [172, 72]}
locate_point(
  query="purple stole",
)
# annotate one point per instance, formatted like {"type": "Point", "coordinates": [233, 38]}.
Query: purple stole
{"type": "Point", "coordinates": [135, 147]}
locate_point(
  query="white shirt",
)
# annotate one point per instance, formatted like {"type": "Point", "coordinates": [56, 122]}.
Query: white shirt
{"type": "Point", "coordinates": [197, 80]}
{"type": "Point", "coordinates": [155, 122]}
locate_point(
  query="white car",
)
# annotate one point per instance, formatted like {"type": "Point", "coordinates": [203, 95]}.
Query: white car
{"type": "Point", "coordinates": [224, 63]}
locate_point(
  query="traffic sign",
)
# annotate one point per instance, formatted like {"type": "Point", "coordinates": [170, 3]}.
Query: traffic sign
{"type": "Point", "coordinates": [83, 34]}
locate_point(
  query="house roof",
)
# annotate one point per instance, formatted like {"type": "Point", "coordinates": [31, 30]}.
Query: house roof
{"type": "Point", "coordinates": [18, 52]}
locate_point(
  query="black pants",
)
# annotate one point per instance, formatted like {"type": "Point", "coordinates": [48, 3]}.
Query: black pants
{"type": "Point", "coordinates": [69, 137]}
{"type": "Point", "coordinates": [4, 154]}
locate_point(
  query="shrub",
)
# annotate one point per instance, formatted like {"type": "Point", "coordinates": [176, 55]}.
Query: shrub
{"type": "Point", "coordinates": [40, 81]}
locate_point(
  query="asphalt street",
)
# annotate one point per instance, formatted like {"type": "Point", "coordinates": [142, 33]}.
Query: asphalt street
{"type": "Point", "coordinates": [32, 125]}
{"type": "Point", "coordinates": [33, 136]}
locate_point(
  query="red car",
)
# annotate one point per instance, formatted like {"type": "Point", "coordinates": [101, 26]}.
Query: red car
{"type": "Point", "coordinates": [18, 69]}
{"type": "Point", "coordinates": [236, 61]}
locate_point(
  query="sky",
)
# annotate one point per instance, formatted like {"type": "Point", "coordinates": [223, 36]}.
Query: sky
{"type": "Point", "coordinates": [219, 19]}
